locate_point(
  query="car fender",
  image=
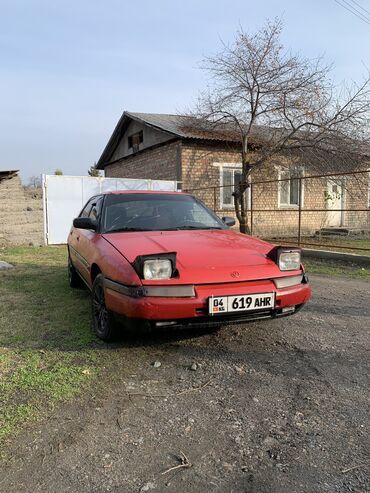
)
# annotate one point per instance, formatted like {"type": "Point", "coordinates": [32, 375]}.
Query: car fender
{"type": "Point", "coordinates": [112, 264]}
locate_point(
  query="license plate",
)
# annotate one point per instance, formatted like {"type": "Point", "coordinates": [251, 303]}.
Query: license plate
{"type": "Point", "coordinates": [241, 303]}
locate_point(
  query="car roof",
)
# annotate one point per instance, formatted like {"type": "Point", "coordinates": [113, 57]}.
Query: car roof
{"type": "Point", "coordinates": [156, 192]}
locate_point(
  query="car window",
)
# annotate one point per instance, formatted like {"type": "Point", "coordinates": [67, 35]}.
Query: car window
{"type": "Point", "coordinates": [156, 212]}
{"type": "Point", "coordinates": [86, 210]}
{"type": "Point", "coordinates": [96, 208]}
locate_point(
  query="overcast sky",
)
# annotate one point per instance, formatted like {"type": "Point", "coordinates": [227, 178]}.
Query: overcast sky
{"type": "Point", "coordinates": [69, 68]}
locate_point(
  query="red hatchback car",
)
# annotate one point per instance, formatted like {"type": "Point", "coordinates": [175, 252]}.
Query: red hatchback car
{"type": "Point", "coordinates": [163, 259]}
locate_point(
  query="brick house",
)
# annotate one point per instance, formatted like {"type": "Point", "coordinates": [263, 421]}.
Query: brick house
{"type": "Point", "coordinates": [171, 147]}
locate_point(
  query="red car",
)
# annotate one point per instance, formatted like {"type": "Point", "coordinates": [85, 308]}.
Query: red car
{"type": "Point", "coordinates": [163, 259]}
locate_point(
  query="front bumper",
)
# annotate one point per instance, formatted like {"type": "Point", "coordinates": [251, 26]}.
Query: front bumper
{"type": "Point", "coordinates": [194, 310]}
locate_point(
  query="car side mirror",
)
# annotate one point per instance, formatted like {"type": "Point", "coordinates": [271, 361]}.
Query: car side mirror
{"type": "Point", "coordinates": [229, 221]}
{"type": "Point", "coordinates": [84, 223]}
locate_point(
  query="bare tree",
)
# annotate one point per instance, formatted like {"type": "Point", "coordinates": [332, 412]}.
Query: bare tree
{"type": "Point", "coordinates": [281, 104]}
{"type": "Point", "coordinates": [34, 182]}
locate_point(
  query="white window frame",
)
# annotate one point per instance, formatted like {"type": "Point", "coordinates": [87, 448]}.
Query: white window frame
{"type": "Point", "coordinates": [234, 167]}
{"type": "Point", "coordinates": [282, 170]}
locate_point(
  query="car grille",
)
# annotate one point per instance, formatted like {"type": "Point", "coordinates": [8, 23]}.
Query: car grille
{"type": "Point", "coordinates": [213, 321]}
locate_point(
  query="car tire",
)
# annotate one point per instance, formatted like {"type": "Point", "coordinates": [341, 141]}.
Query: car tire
{"type": "Point", "coordinates": [74, 279]}
{"type": "Point", "coordinates": [103, 322]}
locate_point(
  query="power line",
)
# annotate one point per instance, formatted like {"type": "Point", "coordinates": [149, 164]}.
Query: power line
{"type": "Point", "coordinates": [361, 16]}
{"type": "Point", "coordinates": [361, 7]}
{"type": "Point", "coordinates": [356, 10]}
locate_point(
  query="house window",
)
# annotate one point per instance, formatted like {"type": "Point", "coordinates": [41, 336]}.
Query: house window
{"type": "Point", "coordinates": [289, 188]}
{"type": "Point", "coordinates": [230, 178]}
{"type": "Point", "coordinates": [135, 140]}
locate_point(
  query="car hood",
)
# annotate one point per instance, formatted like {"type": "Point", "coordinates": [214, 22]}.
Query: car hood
{"type": "Point", "coordinates": [202, 257]}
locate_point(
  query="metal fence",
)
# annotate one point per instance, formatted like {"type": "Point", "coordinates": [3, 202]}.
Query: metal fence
{"type": "Point", "coordinates": [322, 210]}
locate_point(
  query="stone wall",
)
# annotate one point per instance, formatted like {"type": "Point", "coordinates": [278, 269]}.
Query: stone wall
{"type": "Point", "coordinates": [21, 216]}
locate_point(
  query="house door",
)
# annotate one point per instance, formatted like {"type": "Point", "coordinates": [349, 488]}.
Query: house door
{"type": "Point", "coordinates": [334, 201]}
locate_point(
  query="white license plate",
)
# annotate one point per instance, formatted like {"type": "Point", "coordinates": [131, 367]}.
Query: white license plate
{"type": "Point", "coordinates": [242, 303]}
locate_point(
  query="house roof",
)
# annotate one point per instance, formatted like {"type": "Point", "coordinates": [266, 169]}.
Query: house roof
{"type": "Point", "coordinates": [169, 123]}
{"type": "Point", "coordinates": [190, 127]}
{"type": "Point", "coordinates": [185, 126]}
{"type": "Point", "coordinates": [178, 126]}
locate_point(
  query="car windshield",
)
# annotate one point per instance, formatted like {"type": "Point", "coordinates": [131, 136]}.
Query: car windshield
{"type": "Point", "coordinates": [156, 212]}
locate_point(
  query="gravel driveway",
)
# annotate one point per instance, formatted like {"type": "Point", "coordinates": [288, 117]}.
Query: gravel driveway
{"type": "Point", "coordinates": [278, 406]}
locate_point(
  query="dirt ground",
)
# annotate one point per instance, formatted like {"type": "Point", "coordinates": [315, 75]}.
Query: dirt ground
{"type": "Point", "coordinates": [276, 406]}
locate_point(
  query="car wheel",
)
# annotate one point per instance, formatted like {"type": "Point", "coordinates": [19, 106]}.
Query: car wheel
{"type": "Point", "coordinates": [103, 321]}
{"type": "Point", "coordinates": [74, 279]}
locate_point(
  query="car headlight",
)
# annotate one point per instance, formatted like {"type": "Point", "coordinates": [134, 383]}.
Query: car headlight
{"type": "Point", "coordinates": [156, 266]}
{"type": "Point", "coordinates": [157, 269]}
{"type": "Point", "coordinates": [289, 260]}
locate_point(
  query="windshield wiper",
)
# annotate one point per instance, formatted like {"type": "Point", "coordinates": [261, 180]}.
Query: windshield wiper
{"type": "Point", "coordinates": [177, 228]}
{"type": "Point", "coordinates": [120, 230]}
{"type": "Point", "coordinates": [185, 227]}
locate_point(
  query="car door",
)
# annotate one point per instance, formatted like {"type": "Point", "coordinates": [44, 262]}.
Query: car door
{"type": "Point", "coordinates": [87, 238]}
{"type": "Point", "coordinates": [74, 240]}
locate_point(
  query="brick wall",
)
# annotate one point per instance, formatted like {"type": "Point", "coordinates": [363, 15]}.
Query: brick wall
{"type": "Point", "coordinates": [21, 217]}
{"type": "Point", "coordinates": [284, 220]}
{"type": "Point", "coordinates": [159, 163]}
{"type": "Point", "coordinates": [357, 197]}
{"type": "Point", "coordinates": [200, 168]}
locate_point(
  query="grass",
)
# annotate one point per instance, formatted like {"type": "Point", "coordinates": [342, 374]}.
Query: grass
{"type": "Point", "coordinates": [334, 243]}
{"type": "Point", "coordinates": [47, 350]}
{"type": "Point", "coordinates": [352, 245]}
{"type": "Point", "coordinates": [336, 268]}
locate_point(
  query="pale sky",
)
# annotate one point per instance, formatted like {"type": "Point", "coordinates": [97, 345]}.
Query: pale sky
{"type": "Point", "coordinates": [68, 69]}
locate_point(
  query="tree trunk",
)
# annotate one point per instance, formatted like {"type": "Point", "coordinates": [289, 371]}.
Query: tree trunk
{"type": "Point", "coordinates": [241, 207]}
{"type": "Point", "coordinates": [244, 228]}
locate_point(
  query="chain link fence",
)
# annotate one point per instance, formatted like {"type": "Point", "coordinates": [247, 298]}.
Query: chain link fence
{"type": "Point", "coordinates": [329, 211]}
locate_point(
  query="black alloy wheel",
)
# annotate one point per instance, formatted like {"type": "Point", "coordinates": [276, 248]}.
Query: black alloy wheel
{"type": "Point", "coordinates": [103, 321]}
